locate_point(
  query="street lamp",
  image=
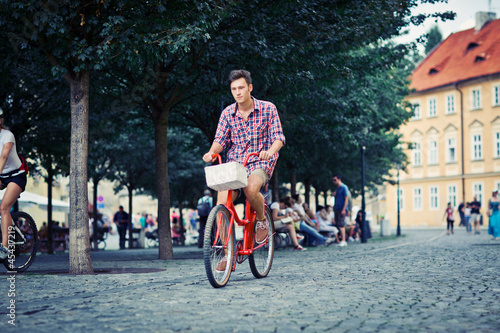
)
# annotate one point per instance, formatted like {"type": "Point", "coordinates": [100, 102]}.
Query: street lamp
{"type": "Point", "coordinates": [364, 227]}
{"type": "Point", "coordinates": [398, 230]}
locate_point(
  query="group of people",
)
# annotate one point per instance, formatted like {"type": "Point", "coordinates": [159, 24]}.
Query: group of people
{"type": "Point", "coordinates": [470, 216]}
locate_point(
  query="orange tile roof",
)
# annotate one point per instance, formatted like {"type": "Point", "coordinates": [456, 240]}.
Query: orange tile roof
{"type": "Point", "coordinates": [463, 55]}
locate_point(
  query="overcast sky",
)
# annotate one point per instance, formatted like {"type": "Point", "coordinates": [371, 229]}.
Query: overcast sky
{"type": "Point", "coordinates": [465, 18]}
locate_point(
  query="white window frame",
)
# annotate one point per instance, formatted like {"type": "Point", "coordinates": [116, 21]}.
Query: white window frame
{"type": "Point", "coordinates": [496, 144]}
{"type": "Point", "coordinates": [432, 107]}
{"type": "Point", "coordinates": [417, 198]}
{"type": "Point", "coordinates": [434, 198]}
{"type": "Point", "coordinates": [432, 148]}
{"type": "Point", "coordinates": [475, 98]}
{"type": "Point", "coordinates": [417, 153]}
{"type": "Point", "coordinates": [495, 94]}
{"type": "Point", "coordinates": [450, 104]}
{"type": "Point", "coordinates": [477, 146]}
{"type": "Point", "coordinates": [497, 185]}
{"type": "Point", "coordinates": [452, 194]}
{"type": "Point", "coordinates": [478, 192]}
{"type": "Point", "coordinates": [417, 110]}
{"type": "Point", "coordinates": [451, 143]}
{"type": "Point", "coordinates": [401, 199]}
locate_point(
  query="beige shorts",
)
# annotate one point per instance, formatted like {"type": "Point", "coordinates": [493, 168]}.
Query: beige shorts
{"type": "Point", "coordinates": [262, 174]}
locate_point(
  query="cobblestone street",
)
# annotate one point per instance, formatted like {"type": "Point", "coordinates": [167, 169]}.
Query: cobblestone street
{"type": "Point", "coordinates": [423, 281]}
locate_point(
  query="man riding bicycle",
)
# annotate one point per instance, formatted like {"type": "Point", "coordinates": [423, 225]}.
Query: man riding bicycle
{"type": "Point", "coordinates": [249, 126]}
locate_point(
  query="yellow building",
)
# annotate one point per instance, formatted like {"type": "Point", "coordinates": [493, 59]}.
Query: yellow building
{"type": "Point", "coordinates": [454, 135]}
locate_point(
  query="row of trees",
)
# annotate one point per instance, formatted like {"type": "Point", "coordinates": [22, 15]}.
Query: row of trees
{"type": "Point", "coordinates": [153, 75]}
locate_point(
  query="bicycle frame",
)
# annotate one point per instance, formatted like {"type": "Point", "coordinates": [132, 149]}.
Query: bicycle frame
{"type": "Point", "coordinates": [247, 222]}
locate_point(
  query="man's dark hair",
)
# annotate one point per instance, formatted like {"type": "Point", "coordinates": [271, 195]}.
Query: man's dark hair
{"type": "Point", "coordinates": [295, 197]}
{"type": "Point", "coordinates": [238, 74]}
{"type": "Point", "coordinates": [337, 176]}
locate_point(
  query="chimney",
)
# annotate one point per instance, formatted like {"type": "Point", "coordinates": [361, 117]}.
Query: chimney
{"type": "Point", "coordinates": [484, 17]}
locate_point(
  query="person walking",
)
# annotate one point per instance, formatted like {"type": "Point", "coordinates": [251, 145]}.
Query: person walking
{"type": "Point", "coordinates": [467, 217]}
{"type": "Point", "coordinates": [204, 206]}
{"type": "Point", "coordinates": [461, 212]}
{"type": "Point", "coordinates": [494, 216]}
{"type": "Point", "coordinates": [12, 178]}
{"type": "Point", "coordinates": [450, 219]}
{"type": "Point", "coordinates": [340, 208]}
{"type": "Point", "coordinates": [249, 126]}
{"type": "Point", "coordinates": [121, 220]}
{"type": "Point", "coordinates": [475, 214]}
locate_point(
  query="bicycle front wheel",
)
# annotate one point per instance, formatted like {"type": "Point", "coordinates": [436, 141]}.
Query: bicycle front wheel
{"type": "Point", "coordinates": [25, 240]}
{"type": "Point", "coordinates": [218, 258]}
{"type": "Point", "coordinates": [262, 258]}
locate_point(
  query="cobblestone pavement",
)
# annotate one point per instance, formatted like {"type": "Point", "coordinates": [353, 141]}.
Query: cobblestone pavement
{"type": "Point", "coordinates": [424, 281]}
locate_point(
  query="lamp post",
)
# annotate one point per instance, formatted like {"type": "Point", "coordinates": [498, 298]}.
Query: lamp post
{"type": "Point", "coordinates": [364, 227]}
{"type": "Point", "coordinates": [398, 230]}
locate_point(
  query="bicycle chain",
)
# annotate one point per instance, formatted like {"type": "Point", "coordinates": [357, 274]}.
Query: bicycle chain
{"type": "Point", "coordinates": [240, 258]}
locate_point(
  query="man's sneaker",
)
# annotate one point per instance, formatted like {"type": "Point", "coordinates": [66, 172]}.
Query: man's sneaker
{"type": "Point", "coordinates": [299, 237]}
{"type": "Point", "coordinates": [299, 248]}
{"type": "Point", "coordinates": [221, 266]}
{"type": "Point", "coordinates": [3, 253]}
{"type": "Point", "coordinates": [342, 243]}
{"type": "Point", "coordinates": [261, 231]}
{"type": "Point", "coordinates": [329, 241]}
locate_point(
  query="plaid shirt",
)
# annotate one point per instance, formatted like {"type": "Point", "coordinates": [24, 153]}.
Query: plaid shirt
{"type": "Point", "coordinates": [257, 134]}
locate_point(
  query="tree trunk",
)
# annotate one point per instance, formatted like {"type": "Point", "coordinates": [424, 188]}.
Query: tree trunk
{"type": "Point", "coordinates": [308, 191]}
{"type": "Point", "coordinates": [50, 228]}
{"type": "Point", "coordinates": [94, 213]}
{"type": "Point", "coordinates": [293, 182]}
{"type": "Point", "coordinates": [165, 249]}
{"type": "Point", "coordinates": [80, 260]}
{"type": "Point", "coordinates": [275, 186]}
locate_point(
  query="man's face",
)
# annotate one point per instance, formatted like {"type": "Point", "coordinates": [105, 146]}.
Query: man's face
{"type": "Point", "coordinates": [241, 90]}
{"type": "Point", "coordinates": [336, 181]}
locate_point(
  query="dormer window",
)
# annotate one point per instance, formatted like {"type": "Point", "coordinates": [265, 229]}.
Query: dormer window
{"type": "Point", "coordinates": [479, 58]}
{"type": "Point", "coordinates": [471, 46]}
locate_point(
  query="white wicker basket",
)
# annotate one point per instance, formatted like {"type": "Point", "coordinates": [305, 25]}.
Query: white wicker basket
{"type": "Point", "coordinates": [226, 176]}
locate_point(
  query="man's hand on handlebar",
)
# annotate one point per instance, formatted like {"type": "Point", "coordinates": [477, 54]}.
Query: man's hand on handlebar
{"type": "Point", "coordinates": [265, 155]}
{"type": "Point", "coordinates": [208, 157]}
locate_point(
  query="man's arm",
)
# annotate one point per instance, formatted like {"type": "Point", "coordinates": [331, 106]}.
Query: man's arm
{"type": "Point", "coordinates": [275, 147]}
{"type": "Point", "coordinates": [215, 149]}
{"type": "Point", "coordinates": [345, 204]}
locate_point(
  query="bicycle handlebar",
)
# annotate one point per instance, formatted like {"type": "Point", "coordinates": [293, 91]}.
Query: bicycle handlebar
{"type": "Point", "coordinates": [244, 163]}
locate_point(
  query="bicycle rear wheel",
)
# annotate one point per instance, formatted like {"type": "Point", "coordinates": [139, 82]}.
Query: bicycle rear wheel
{"type": "Point", "coordinates": [214, 250]}
{"type": "Point", "coordinates": [262, 258]}
{"type": "Point", "coordinates": [25, 238]}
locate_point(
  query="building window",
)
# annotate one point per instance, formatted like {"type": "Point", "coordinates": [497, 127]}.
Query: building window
{"type": "Point", "coordinates": [450, 104]}
{"type": "Point", "coordinates": [477, 192]}
{"type": "Point", "coordinates": [401, 199]}
{"type": "Point", "coordinates": [434, 204]}
{"type": "Point", "coordinates": [433, 152]}
{"type": "Point", "coordinates": [496, 95]}
{"type": "Point", "coordinates": [417, 198]}
{"type": "Point", "coordinates": [477, 147]}
{"type": "Point", "coordinates": [476, 99]}
{"type": "Point", "coordinates": [432, 107]}
{"type": "Point", "coordinates": [417, 112]}
{"type": "Point", "coordinates": [496, 144]}
{"type": "Point", "coordinates": [417, 154]}
{"type": "Point", "coordinates": [452, 195]}
{"type": "Point", "coordinates": [451, 148]}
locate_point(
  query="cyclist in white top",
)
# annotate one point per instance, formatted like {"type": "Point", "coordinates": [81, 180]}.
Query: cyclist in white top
{"type": "Point", "coordinates": [12, 179]}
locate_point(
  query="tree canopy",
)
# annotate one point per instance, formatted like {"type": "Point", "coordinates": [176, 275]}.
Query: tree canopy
{"type": "Point", "coordinates": [328, 65]}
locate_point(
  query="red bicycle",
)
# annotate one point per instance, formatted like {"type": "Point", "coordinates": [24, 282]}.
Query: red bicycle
{"type": "Point", "coordinates": [220, 245]}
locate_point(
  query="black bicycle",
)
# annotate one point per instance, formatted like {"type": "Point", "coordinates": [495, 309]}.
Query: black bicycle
{"type": "Point", "coordinates": [23, 242]}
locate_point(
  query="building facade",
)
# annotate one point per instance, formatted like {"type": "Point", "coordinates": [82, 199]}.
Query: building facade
{"type": "Point", "coordinates": [454, 135]}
